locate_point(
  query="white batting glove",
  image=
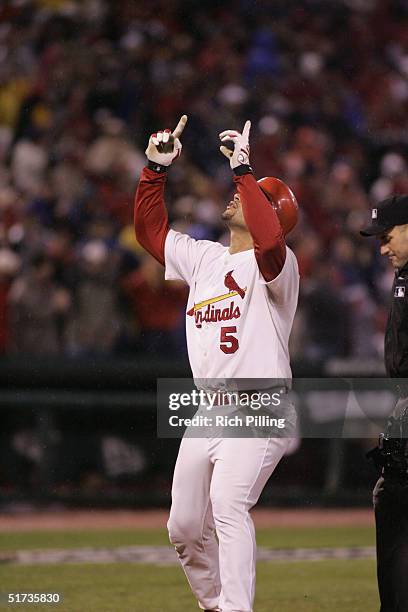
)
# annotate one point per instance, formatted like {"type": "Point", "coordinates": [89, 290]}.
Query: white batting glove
{"type": "Point", "coordinates": [239, 156]}
{"type": "Point", "coordinates": [165, 146]}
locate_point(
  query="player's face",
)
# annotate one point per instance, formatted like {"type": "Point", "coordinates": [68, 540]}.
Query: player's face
{"type": "Point", "coordinates": [394, 245]}
{"type": "Point", "coordinates": [233, 214]}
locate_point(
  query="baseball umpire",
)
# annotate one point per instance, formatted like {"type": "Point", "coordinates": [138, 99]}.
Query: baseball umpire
{"type": "Point", "coordinates": [389, 223]}
{"type": "Point", "coordinates": [240, 310]}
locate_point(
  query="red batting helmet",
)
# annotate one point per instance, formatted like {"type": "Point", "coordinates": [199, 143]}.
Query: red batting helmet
{"type": "Point", "coordinates": [283, 200]}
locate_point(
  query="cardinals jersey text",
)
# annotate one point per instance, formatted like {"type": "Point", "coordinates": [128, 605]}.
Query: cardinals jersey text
{"type": "Point", "coordinates": [238, 324]}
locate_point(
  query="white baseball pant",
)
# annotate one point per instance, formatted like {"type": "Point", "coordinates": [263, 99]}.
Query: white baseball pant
{"type": "Point", "coordinates": [216, 483]}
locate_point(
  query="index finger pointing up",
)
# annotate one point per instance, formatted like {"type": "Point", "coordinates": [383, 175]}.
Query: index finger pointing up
{"type": "Point", "coordinates": [247, 127]}
{"type": "Point", "coordinates": [180, 127]}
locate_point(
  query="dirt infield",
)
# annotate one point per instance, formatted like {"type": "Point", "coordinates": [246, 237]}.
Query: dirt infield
{"type": "Point", "coordinates": [150, 519]}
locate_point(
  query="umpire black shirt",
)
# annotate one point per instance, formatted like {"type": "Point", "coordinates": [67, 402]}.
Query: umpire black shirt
{"type": "Point", "coordinates": [396, 335]}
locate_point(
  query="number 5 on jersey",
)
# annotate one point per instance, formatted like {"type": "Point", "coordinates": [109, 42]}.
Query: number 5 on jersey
{"type": "Point", "coordinates": [228, 343]}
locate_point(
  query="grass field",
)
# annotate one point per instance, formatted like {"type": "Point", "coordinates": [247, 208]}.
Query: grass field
{"type": "Point", "coordinates": [330, 586]}
{"type": "Point", "coordinates": [284, 537]}
{"type": "Point", "coordinates": [313, 586]}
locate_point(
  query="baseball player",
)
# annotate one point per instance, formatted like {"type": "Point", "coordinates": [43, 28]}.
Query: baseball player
{"type": "Point", "coordinates": [243, 335]}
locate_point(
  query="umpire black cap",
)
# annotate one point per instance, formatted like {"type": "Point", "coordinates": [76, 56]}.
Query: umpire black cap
{"type": "Point", "coordinates": [386, 214]}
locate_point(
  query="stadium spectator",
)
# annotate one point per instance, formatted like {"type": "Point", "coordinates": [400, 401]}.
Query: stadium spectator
{"type": "Point", "coordinates": [157, 307]}
{"type": "Point", "coordinates": [9, 265]}
{"type": "Point", "coordinates": [95, 319]}
{"type": "Point", "coordinates": [38, 307]}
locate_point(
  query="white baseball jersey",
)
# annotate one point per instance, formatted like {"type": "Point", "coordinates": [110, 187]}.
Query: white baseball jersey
{"type": "Point", "coordinates": [238, 324]}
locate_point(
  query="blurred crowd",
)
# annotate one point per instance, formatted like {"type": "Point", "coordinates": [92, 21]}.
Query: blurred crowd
{"type": "Point", "coordinates": [83, 84]}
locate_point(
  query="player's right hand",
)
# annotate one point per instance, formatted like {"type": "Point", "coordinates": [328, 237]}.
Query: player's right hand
{"type": "Point", "coordinates": [165, 146]}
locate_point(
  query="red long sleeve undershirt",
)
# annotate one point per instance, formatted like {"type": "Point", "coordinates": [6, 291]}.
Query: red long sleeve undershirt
{"type": "Point", "coordinates": [151, 219]}
{"type": "Point", "coordinates": [263, 225]}
{"type": "Point", "coordinates": [152, 226]}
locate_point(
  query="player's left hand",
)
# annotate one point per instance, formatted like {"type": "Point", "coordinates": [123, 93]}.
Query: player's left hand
{"type": "Point", "coordinates": [240, 154]}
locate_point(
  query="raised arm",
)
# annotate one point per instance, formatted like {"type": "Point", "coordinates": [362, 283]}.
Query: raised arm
{"type": "Point", "coordinates": [151, 219]}
{"type": "Point", "coordinates": [263, 225]}
{"type": "Point", "coordinates": [150, 214]}
{"type": "Point", "coordinates": [260, 216]}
